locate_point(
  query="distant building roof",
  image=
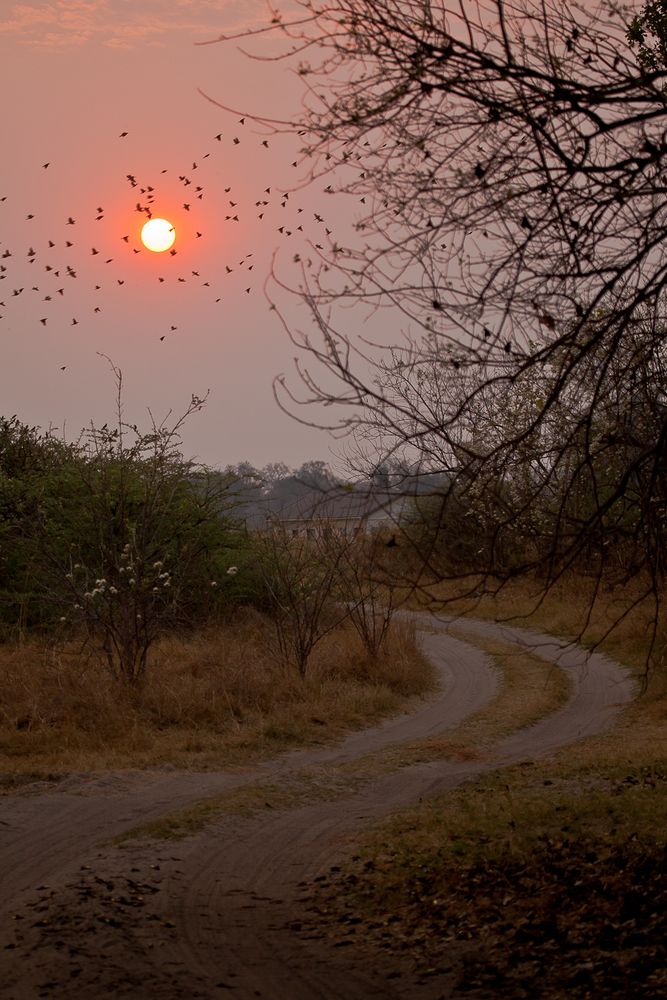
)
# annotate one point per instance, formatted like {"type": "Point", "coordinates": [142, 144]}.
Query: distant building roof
{"type": "Point", "coordinates": [338, 503]}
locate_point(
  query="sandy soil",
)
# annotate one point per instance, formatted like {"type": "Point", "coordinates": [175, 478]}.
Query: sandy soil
{"type": "Point", "coordinates": [222, 911]}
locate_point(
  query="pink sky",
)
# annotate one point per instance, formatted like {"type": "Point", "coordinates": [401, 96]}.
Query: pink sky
{"type": "Point", "coordinates": [76, 74]}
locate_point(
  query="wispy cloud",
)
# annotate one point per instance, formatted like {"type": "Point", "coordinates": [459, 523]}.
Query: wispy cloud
{"type": "Point", "coordinates": [122, 23]}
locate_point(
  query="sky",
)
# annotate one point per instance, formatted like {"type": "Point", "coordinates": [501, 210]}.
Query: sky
{"type": "Point", "coordinates": [77, 75]}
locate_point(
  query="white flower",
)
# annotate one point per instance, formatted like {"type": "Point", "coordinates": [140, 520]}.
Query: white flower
{"type": "Point", "coordinates": [131, 582]}
{"type": "Point", "coordinates": [214, 583]}
{"type": "Point", "coordinates": [113, 590]}
{"type": "Point", "coordinates": [232, 571]}
{"type": "Point", "coordinates": [155, 590]}
{"type": "Point", "coordinates": [77, 607]}
{"type": "Point", "coordinates": [63, 619]}
{"type": "Point", "coordinates": [167, 583]}
{"type": "Point", "coordinates": [88, 595]}
{"type": "Point", "coordinates": [69, 576]}
{"type": "Point", "coordinates": [158, 565]}
{"type": "Point", "coordinates": [77, 565]}
{"type": "Point", "coordinates": [100, 583]}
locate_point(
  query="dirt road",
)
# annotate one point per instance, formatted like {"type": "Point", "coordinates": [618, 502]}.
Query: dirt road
{"type": "Point", "coordinates": [217, 913]}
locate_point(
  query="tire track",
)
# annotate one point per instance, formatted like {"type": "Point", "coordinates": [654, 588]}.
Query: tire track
{"type": "Point", "coordinates": [231, 891]}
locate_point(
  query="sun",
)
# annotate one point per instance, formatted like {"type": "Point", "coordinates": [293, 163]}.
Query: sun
{"type": "Point", "coordinates": [158, 235]}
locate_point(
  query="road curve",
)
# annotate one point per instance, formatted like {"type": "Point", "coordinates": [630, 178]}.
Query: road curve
{"type": "Point", "coordinates": [226, 896]}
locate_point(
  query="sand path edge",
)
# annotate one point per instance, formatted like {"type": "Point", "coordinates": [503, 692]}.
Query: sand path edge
{"type": "Point", "coordinates": [226, 896]}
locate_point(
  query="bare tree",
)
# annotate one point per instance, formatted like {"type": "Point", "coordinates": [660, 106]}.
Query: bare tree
{"type": "Point", "coordinates": [299, 575]}
{"type": "Point", "coordinates": [366, 585]}
{"type": "Point", "coordinates": [509, 160]}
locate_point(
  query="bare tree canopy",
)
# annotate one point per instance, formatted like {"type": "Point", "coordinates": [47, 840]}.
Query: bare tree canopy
{"type": "Point", "coordinates": [509, 158]}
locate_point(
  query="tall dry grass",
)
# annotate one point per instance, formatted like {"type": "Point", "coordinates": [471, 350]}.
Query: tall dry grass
{"type": "Point", "coordinates": [558, 866]}
{"type": "Point", "coordinates": [208, 699]}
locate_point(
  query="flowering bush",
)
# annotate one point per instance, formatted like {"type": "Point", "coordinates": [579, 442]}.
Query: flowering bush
{"type": "Point", "coordinates": [133, 537]}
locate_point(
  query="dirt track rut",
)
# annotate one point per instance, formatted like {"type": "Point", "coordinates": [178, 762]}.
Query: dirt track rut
{"type": "Point", "coordinates": [216, 913]}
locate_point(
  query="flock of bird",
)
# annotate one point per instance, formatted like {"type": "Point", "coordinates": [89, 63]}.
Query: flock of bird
{"type": "Point", "coordinates": [57, 262]}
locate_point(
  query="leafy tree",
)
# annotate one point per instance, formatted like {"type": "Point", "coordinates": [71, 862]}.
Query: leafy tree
{"type": "Point", "coordinates": [316, 475]}
{"type": "Point", "coordinates": [648, 31]}
{"type": "Point", "coordinates": [28, 461]}
{"type": "Point", "coordinates": [127, 539]}
{"type": "Point", "coordinates": [273, 472]}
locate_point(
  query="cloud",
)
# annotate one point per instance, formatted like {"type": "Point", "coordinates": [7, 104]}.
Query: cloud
{"type": "Point", "coordinates": [123, 23]}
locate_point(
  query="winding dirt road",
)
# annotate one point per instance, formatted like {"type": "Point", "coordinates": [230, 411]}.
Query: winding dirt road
{"type": "Point", "coordinates": [218, 912]}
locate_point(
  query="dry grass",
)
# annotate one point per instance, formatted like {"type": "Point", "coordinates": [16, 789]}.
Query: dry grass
{"type": "Point", "coordinates": [208, 700]}
{"type": "Point", "coordinates": [497, 854]}
{"type": "Point", "coordinates": [592, 775]}
{"type": "Point", "coordinates": [531, 689]}
{"type": "Point", "coordinates": [632, 756]}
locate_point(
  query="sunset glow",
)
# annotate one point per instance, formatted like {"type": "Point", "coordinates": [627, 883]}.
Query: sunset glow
{"type": "Point", "coordinates": [158, 235]}
{"type": "Point", "coordinates": [79, 245]}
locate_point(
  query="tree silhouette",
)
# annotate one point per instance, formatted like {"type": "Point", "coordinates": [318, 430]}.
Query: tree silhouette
{"type": "Point", "coordinates": [509, 161]}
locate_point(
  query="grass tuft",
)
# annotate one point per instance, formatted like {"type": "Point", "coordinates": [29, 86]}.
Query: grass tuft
{"type": "Point", "coordinates": [208, 700]}
{"type": "Point", "coordinates": [548, 880]}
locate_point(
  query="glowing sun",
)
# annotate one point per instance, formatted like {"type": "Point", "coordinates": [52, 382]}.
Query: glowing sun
{"type": "Point", "coordinates": [158, 235]}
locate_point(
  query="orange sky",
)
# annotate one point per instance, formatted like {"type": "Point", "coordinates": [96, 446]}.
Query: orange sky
{"type": "Point", "coordinates": [77, 74]}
